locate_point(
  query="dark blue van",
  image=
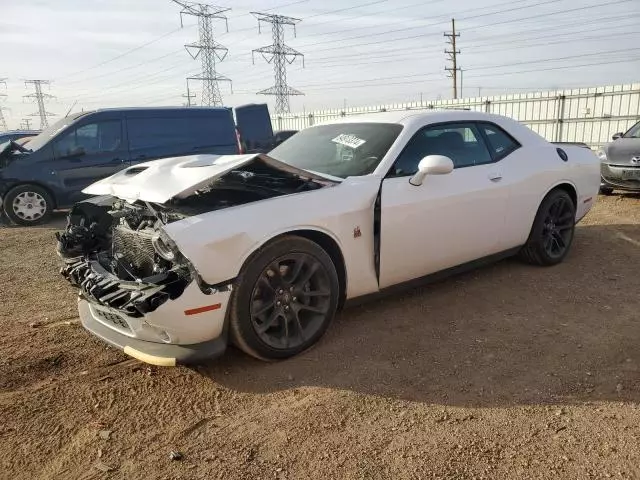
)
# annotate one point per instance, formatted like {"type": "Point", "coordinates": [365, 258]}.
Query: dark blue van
{"type": "Point", "coordinates": [50, 171]}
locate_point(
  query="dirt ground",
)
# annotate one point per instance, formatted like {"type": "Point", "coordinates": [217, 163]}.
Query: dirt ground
{"type": "Point", "coordinates": [507, 372]}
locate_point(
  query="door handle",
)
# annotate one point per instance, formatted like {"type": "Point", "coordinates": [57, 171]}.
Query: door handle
{"type": "Point", "coordinates": [495, 177]}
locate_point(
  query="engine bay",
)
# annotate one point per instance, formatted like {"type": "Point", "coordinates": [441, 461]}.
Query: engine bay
{"type": "Point", "coordinates": [117, 253]}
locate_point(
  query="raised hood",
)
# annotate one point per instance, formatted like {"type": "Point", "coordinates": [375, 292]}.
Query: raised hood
{"type": "Point", "coordinates": [160, 180]}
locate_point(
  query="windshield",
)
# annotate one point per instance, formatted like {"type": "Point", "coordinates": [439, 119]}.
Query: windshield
{"type": "Point", "coordinates": [40, 140]}
{"type": "Point", "coordinates": [340, 149]}
{"type": "Point", "coordinates": [634, 132]}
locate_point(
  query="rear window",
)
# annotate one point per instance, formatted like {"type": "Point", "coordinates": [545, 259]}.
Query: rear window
{"type": "Point", "coordinates": [194, 131]}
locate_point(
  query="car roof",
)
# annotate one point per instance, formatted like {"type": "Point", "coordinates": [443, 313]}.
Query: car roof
{"type": "Point", "coordinates": [407, 117]}
{"type": "Point", "coordinates": [416, 119]}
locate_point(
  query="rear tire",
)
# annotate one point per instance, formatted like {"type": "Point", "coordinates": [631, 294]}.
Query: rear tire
{"type": "Point", "coordinates": [552, 231]}
{"type": "Point", "coordinates": [28, 205]}
{"type": "Point", "coordinates": [284, 299]}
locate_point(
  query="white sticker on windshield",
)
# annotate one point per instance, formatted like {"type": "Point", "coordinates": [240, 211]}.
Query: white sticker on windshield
{"type": "Point", "coordinates": [349, 140]}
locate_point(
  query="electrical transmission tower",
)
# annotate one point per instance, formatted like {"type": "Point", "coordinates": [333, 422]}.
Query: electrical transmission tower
{"type": "Point", "coordinates": [39, 97]}
{"type": "Point", "coordinates": [26, 124]}
{"type": "Point", "coordinates": [188, 96]}
{"type": "Point", "coordinates": [453, 56]}
{"type": "Point", "coordinates": [281, 55]}
{"type": "Point", "coordinates": [207, 48]}
{"type": "Point", "coordinates": [3, 122]}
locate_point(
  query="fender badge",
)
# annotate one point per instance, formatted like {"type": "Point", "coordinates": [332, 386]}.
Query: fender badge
{"type": "Point", "coordinates": [356, 232]}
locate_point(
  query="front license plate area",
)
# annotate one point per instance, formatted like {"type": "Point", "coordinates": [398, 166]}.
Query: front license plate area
{"type": "Point", "coordinates": [631, 174]}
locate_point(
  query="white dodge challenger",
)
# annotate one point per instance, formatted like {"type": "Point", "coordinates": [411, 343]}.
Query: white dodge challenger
{"type": "Point", "coordinates": [176, 258]}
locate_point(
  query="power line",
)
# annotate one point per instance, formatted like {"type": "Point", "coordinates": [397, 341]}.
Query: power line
{"type": "Point", "coordinates": [124, 69]}
{"type": "Point", "coordinates": [207, 48]}
{"type": "Point", "coordinates": [403, 21]}
{"type": "Point", "coordinates": [483, 67]}
{"type": "Point", "coordinates": [39, 97]}
{"type": "Point", "coordinates": [510, 46]}
{"type": "Point", "coordinates": [138, 80]}
{"type": "Point", "coordinates": [279, 54]}
{"type": "Point", "coordinates": [393, 51]}
{"type": "Point", "coordinates": [412, 82]}
{"type": "Point", "coordinates": [453, 56]}
{"type": "Point", "coordinates": [433, 24]}
{"type": "Point", "coordinates": [491, 24]}
{"type": "Point", "coordinates": [124, 54]}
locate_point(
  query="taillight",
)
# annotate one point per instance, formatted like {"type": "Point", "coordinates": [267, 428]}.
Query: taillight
{"type": "Point", "coordinates": [239, 141]}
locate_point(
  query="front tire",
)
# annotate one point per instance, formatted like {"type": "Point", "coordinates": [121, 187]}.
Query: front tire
{"type": "Point", "coordinates": [552, 231]}
{"type": "Point", "coordinates": [28, 205]}
{"type": "Point", "coordinates": [284, 299]}
{"type": "Point", "coordinates": [606, 191]}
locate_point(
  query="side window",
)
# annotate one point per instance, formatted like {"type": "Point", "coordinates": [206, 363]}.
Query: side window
{"type": "Point", "coordinates": [99, 137]}
{"type": "Point", "coordinates": [177, 131]}
{"type": "Point", "coordinates": [152, 132]}
{"type": "Point", "coordinates": [461, 142]}
{"type": "Point", "coordinates": [500, 143]}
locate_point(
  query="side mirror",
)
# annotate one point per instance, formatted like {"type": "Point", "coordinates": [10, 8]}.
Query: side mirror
{"type": "Point", "coordinates": [431, 165]}
{"type": "Point", "coordinates": [617, 135]}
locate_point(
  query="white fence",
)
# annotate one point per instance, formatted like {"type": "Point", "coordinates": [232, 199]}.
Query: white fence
{"type": "Point", "coordinates": [589, 115]}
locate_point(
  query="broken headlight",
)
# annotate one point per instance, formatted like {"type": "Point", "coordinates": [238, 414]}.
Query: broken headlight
{"type": "Point", "coordinates": [164, 246]}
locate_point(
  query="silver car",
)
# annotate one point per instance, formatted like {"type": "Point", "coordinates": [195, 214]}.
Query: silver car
{"type": "Point", "coordinates": [620, 162]}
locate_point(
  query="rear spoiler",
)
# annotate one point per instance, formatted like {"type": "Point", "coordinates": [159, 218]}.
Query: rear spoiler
{"type": "Point", "coordinates": [575, 144]}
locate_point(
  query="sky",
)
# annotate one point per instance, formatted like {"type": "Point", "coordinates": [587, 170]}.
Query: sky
{"type": "Point", "coordinates": [110, 53]}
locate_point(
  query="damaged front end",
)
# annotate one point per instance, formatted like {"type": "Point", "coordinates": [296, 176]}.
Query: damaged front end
{"type": "Point", "coordinates": [118, 254]}
{"type": "Point", "coordinates": [137, 290]}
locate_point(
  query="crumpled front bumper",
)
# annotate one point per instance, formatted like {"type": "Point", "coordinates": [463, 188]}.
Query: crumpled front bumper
{"type": "Point", "coordinates": [186, 329]}
{"type": "Point", "coordinates": [154, 353]}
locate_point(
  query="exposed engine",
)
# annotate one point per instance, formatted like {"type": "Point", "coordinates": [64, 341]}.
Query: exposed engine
{"type": "Point", "coordinates": [118, 255]}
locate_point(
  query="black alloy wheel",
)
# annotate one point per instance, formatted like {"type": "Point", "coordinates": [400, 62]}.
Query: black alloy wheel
{"type": "Point", "coordinates": [552, 231]}
{"type": "Point", "coordinates": [290, 300]}
{"type": "Point", "coordinates": [558, 227]}
{"type": "Point", "coordinates": [284, 298]}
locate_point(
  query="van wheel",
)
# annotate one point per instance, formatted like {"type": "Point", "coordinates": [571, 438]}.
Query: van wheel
{"type": "Point", "coordinates": [28, 205]}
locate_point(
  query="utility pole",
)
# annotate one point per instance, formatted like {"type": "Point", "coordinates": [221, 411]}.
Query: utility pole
{"type": "Point", "coordinates": [3, 122]}
{"type": "Point", "coordinates": [207, 48]}
{"type": "Point", "coordinates": [461, 72]}
{"type": "Point", "coordinates": [188, 96]}
{"type": "Point", "coordinates": [453, 53]}
{"type": "Point", "coordinates": [280, 54]}
{"type": "Point", "coordinates": [39, 97]}
{"type": "Point", "coordinates": [26, 124]}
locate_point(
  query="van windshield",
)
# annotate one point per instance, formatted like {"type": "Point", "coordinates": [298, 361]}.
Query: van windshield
{"type": "Point", "coordinates": [340, 149]}
{"type": "Point", "coordinates": [40, 140]}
